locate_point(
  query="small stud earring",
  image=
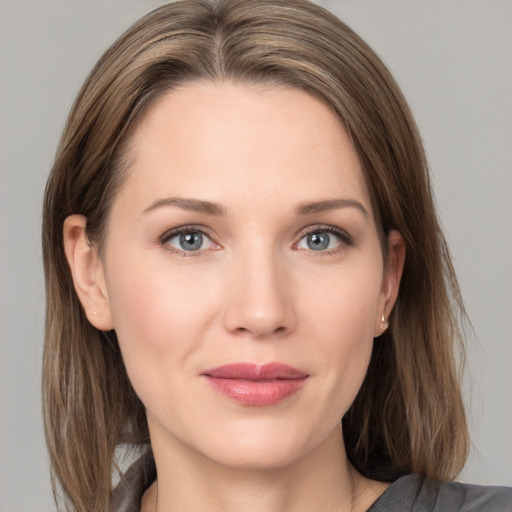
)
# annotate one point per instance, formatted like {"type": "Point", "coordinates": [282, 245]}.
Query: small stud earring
{"type": "Point", "coordinates": [384, 323]}
{"type": "Point", "coordinates": [96, 314]}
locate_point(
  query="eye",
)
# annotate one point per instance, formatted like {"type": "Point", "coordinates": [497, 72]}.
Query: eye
{"type": "Point", "coordinates": [189, 240]}
{"type": "Point", "coordinates": [324, 239]}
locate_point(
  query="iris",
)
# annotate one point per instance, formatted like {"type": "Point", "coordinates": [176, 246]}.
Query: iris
{"type": "Point", "coordinates": [318, 241]}
{"type": "Point", "coordinates": [191, 241]}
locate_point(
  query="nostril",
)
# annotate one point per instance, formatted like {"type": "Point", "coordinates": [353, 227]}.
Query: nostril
{"type": "Point", "coordinates": [259, 332]}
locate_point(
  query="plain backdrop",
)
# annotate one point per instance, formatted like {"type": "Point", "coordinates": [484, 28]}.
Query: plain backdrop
{"type": "Point", "coordinates": [453, 60]}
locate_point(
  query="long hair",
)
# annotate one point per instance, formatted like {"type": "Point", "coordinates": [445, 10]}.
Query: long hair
{"type": "Point", "coordinates": [408, 416]}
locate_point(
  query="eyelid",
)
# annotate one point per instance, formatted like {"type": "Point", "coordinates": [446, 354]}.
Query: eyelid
{"type": "Point", "coordinates": [187, 228]}
{"type": "Point", "coordinates": [345, 237]}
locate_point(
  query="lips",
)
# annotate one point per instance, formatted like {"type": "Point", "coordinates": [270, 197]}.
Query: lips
{"type": "Point", "coordinates": [256, 385]}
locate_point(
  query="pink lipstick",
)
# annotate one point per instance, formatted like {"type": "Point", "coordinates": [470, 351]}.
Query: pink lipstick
{"type": "Point", "coordinates": [256, 385]}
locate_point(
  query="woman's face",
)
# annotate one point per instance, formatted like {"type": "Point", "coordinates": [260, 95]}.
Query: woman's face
{"type": "Point", "coordinates": [244, 236]}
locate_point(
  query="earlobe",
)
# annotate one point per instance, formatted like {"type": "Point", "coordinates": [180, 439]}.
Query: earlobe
{"type": "Point", "coordinates": [87, 272]}
{"type": "Point", "coordinates": [391, 281]}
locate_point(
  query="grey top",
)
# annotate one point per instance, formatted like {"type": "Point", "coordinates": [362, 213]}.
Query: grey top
{"type": "Point", "coordinates": [415, 493]}
{"type": "Point", "coordinates": [411, 493]}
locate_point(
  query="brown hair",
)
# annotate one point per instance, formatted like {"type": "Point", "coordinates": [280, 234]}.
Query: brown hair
{"type": "Point", "coordinates": [408, 415]}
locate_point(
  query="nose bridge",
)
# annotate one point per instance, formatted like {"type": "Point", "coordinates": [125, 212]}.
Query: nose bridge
{"type": "Point", "coordinates": [259, 292]}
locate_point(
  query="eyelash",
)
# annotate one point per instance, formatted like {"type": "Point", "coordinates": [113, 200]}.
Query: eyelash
{"type": "Point", "coordinates": [344, 238]}
{"type": "Point", "coordinates": [168, 235]}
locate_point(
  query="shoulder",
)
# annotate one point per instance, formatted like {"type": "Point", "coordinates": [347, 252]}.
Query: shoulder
{"type": "Point", "coordinates": [415, 493]}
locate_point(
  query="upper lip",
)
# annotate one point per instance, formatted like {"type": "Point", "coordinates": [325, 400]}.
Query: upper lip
{"type": "Point", "coordinates": [255, 372]}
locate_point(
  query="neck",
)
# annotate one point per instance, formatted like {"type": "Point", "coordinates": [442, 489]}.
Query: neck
{"type": "Point", "coordinates": [320, 480]}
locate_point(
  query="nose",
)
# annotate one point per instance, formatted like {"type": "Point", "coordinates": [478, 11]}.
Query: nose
{"type": "Point", "coordinates": [259, 297]}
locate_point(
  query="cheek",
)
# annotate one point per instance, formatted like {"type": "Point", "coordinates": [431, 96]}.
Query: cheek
{"type": "Point", "coordinates": [159, 315]}
{"type": "Point", "coordinates": [346, 302]}
{"type": "Point", "coordinates": [342, 317]}
{"type": "Point", "coordinates": [147, 295]}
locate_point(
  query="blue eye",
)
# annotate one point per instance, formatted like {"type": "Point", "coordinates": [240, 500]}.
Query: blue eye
{"type": "Point", "coordinates": [189, 241]}
{"type": "Point", "coordinates": [321, 240]}
{"type": "Point", "coordinates": [318, 241]}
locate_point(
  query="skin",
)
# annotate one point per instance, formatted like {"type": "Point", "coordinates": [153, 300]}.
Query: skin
{"type": "Point", "coordinates": [254, 291]}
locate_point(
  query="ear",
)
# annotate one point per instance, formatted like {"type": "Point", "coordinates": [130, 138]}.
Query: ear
{"type": "Point", "coordinates": [87, 272]}
{"type": "Point", "coordinates": [391, 280]}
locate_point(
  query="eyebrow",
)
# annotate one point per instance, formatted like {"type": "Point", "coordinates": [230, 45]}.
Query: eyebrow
{"type": "Point", "coordinates": [329, 204]}
{"type": "Point", "coordinates": [200, 206]}
{"type": "Point", "coordinates": [196, 205]}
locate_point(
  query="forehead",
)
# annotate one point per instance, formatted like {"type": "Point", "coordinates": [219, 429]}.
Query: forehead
{"type": "Point", "coordinates": [234, 143]}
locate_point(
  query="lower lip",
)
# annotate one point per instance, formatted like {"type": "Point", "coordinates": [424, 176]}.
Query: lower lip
{"type": "Point", "coordinates": [257, 393]}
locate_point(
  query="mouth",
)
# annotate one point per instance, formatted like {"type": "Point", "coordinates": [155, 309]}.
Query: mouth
{"type": "Point", "coordinates": [256, 385]}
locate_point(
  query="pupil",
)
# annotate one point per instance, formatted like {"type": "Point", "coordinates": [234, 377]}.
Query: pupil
{"type": "Point", "coordinates": [191, 241]}
{"type": "Point", "coordinates": [318, 241]}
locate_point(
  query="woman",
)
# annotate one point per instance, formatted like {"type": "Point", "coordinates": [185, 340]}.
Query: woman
{"type": "Point", "coordinates": [246, 279]}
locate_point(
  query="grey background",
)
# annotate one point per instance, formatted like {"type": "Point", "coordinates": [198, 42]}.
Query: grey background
{"type": "Point", "coordinates": [453, 61]}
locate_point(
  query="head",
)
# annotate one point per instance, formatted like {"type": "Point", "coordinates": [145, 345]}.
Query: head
{"type": "Point", "coordinates": [408, 409]}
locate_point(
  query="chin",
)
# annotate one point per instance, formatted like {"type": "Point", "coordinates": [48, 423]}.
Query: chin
{"type": "Point", "coordinates": [258, 448]}
{"type": "Point", "coordinates": [256, 457]}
